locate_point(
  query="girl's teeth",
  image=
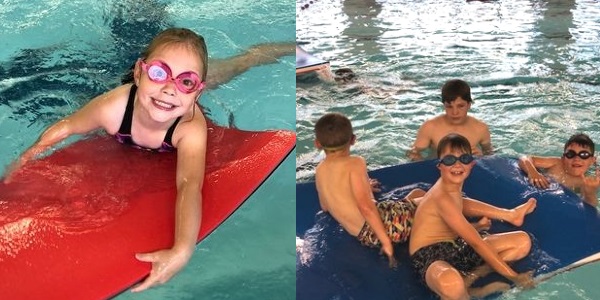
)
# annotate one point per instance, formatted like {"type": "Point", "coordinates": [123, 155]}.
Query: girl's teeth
{"type": "Point", "coordinates": [163, 104]}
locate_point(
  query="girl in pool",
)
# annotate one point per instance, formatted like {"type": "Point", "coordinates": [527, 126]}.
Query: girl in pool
{"type": "Point", "coordinates": [158, 112]}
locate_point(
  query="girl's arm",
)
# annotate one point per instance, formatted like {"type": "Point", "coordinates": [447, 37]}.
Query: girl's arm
{"type": "Point", "coordinates": [191, 157]}
{"type": "Point", "coordinates": [93, 115]}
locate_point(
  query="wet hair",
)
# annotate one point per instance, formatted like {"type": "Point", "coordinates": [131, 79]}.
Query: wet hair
{"type": "Point", "coordinates": [333, 130]}
{"type": "Point", "coordinates": [455, 88]}
{"type": "Point", "coordinates": [175, 37]}
{"type": "Point", "coordinates": [455, 142]}
{"type": "Point", "coordinates": [344, 74]}
{"type": "Point", "coordinates": [582, 140]}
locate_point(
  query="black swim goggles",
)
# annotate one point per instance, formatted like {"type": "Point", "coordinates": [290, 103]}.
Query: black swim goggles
{"type": "Point", "coordinates": [450, 160]}
{"type": "Point", "coordinates": [583, 154]}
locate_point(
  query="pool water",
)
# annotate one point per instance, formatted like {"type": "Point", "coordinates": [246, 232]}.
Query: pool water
{"type": "Point", "coordinates": [57, 55]}
{"type": "Point", "coordinates": [532, 65]}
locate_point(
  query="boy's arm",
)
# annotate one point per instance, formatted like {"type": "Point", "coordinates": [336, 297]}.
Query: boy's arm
{"type": "Point", "coordinates": [486, 142]}
{"type": "Point", "coordinates": [223, 70]}
{"type": "Point", "coordinates": [452, 215]}
{"type": "Point", "coordinates": [421, 143]}
{"type": "Point", "coordinates": [359, 181]}
{"type": "Point", "coordinates": [191, 156]}
{"type": "Point", "coordinates": [529, 165]}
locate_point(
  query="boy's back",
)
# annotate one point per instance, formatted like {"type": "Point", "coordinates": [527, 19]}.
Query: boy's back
{"type": "Point", "coordinates": [340, 180]}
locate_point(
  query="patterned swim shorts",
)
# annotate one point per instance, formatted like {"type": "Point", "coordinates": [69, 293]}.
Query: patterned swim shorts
{"type": "Point", "coordinates": [397, 217]}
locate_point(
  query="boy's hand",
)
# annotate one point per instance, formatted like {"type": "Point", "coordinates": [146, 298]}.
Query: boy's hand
{"type": "Point", "coordinates": [524, 280]}
{"type": "Point", "coordinates": [388, 250]}
{"type": "Point", "coordinates": [591, 183]}
{"type": "Point", "coordinates": [375, 185]}
{"type": "Point", "coordinates": [538, 180]}
{"type": "Point", "coordinates": [483, 224]}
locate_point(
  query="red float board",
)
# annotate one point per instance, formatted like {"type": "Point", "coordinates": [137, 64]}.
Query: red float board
{"type": "Point", "coordinates": [71, 222]}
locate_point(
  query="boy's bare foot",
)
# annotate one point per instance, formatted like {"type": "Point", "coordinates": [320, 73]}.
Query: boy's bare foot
{"type": "Point", "coordinates": [479, 272]}
{"type": "Point", "coordinates": [491, 288]}
{"type": "Point", "coordinates": [518, 213]}
{"type": "Point", "coordinates": [483, 224]}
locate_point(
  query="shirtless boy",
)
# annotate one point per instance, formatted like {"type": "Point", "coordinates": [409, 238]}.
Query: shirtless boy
{"type": "Point", "coordinates": [568, 170]}
{"type": "Point", "coordinates": [345, 192]}
{"type": "Point", "coordinates": [456, 96]}
{"type": "Point", "coordinates": [445, 250]}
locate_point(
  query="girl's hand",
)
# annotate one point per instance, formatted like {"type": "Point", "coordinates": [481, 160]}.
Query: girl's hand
{"type": "Point", "coordinates": [165, 264]}
{"type": "Point", "coordinates": [13, 168]}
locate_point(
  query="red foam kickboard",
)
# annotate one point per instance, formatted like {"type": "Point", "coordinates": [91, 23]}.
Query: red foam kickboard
{"type": "Point", "coordinates": [71, 223]}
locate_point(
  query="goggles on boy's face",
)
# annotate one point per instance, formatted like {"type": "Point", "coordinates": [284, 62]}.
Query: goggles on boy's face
{"type": "Point", "coordinates": [450, 160]}
{"type": "Point", "coordinates": [583, 154]}
{"type": "Point", "coordinates": [159, 72]}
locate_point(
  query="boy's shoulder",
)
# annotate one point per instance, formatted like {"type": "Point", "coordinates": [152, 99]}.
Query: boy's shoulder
{"type": "Point", "coordinates": [349, 162]}
{"type": "Point", "coordinates": [477, 123]}
{"type": "Point", "coordinates": [433, 123]}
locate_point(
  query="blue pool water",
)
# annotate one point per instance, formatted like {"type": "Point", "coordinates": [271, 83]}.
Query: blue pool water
{"type": "Point", "coordinates": [57, 55]}
{"type": "Point", "coordinates": [533, 67]}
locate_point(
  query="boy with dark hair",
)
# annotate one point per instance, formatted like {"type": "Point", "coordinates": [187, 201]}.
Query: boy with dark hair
{"type": "Point", "coordinates": [445, 249]}
{"type": "Point", "coordinates": [456, 97]}
{"type": "Point", "coordinates": [345, 192]}
{"type": "Point", "coordinates": [568, 170]}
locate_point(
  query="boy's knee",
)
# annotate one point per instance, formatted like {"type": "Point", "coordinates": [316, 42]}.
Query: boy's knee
{"type": "Point", "coordinates": [446, 281]}
{"type": "Point", "coordinates": [524, 242]}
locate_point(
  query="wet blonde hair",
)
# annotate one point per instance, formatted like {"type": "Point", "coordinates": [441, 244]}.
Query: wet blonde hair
{"type": "Point", "coordinates": [175, 37]}
{"type": "Point", "coordinates": [184, 37]}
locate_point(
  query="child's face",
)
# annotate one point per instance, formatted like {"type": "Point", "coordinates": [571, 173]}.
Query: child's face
{"type": "Point", "coordinates": [457, 172]}
{"type": "Point", "coordinates": [577, 166]}
{"type": "Point", "coordinates": [456, 111]}
{"type": "Point", "coordinates": [165, 101]}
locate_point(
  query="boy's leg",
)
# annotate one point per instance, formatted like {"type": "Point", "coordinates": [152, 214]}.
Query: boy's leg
{"type": "Point", "coordinates": [515, 216]}
{"type": "Point", "coordinates": [511, 246]}
{"type": "Point", "coordinates": [446, 281]}
{"type": "Point", "coordinates": [488, 289]}
{"type": "Point", "coordinates": [415, 196]}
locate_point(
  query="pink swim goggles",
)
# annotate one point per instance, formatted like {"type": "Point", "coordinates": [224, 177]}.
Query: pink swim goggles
{"type": "Point", "coordinates": [159, 72]}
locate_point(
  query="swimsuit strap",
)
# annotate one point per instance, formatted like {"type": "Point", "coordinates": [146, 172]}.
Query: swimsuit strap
{"type": "Point", "coordinates": [169, 134]}
{"type": "Point", "coordinates": [128, 115]}
{"type": "Point", "coordinates": [125, 128]}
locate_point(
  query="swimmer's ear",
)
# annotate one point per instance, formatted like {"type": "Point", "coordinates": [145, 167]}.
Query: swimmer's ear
{"type": "Point", "coordinates": [137, 72]}
{"type": "Point", "coordinates": [318, 145]}
{"type": "Point", "coordinates": [353, 140]}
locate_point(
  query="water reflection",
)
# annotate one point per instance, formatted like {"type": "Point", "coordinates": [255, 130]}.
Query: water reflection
{"type": "Point", "coordinates": [362, 31]}
{"type": "Point", "coordinates": [551, 46]}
